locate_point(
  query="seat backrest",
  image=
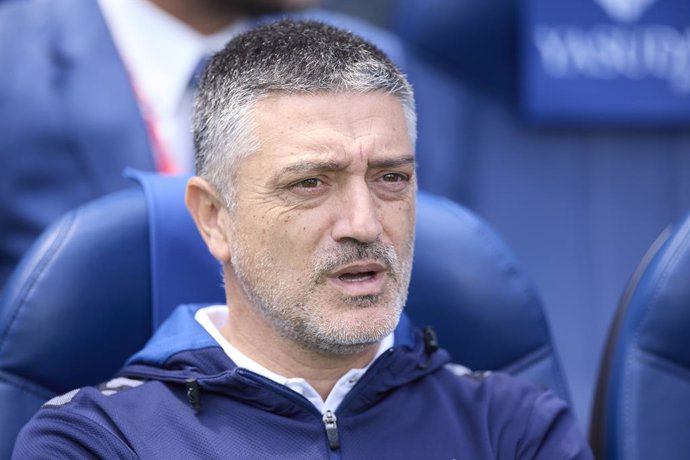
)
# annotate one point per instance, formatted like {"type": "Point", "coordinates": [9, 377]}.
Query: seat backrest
{"type": "Point", "coordinates": [99, 281]}
{"type": "Point", "coordinates": [642, 404]}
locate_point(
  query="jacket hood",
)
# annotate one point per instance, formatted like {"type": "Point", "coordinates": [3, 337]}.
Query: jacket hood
{"type": "Point", "coordinates": [181, 350]}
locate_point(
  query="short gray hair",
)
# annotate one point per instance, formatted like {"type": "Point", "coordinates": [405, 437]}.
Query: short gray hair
{"type": "Point", "coordinates": [291, 57]}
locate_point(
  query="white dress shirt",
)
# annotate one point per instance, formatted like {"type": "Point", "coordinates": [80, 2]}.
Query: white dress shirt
{"type": "Point", "coordinates": [161, 54]}
{"type": "Point", "coordinates": [214, 318]}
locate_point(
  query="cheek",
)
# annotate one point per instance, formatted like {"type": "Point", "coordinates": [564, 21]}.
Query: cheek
{"type": "Point", "coordinates": [399, 222]}
{"type": "Point", "coordinates": [290, 240]}
{"type": "Point", "coordinates": [259, 224]}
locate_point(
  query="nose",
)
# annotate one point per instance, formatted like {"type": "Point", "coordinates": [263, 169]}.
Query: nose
{"type": "Point", "coordinates": [357, 216]}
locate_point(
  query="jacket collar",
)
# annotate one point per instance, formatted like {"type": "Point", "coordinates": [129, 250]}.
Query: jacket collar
{"type": "Point", "coordinates": [181, 332]}
{"type": "Point", "coordinates": [182, 350]}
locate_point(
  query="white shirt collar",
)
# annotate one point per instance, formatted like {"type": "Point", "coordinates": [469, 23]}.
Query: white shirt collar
{"type": "Point", "coordinates": [160, 51]}
{"type": "Point", "coordinates": [213, 318]}
{"type": "Point", "coordinates": [161, 54]}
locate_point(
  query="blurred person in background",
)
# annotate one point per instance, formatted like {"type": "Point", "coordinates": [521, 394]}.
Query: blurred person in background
{"type": "Point", "coordinates": [89, 88]}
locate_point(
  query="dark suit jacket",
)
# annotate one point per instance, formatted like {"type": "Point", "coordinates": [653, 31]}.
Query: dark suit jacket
{"type": "Point", "coordinates": [71, 124]}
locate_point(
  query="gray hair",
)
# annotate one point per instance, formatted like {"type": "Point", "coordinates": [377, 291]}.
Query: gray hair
{"type": "Point", "coordinates": [291, 57]}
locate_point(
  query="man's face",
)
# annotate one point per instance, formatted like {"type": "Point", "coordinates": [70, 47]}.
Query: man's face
{"type": "Point", "coordinates": [322, 233]}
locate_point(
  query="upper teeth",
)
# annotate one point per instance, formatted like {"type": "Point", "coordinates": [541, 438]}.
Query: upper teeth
{"type": "Point", "coordinates": [355, 277]}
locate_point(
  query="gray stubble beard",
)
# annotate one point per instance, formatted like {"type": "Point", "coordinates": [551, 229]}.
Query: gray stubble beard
{"type": "Point", "coordinates": [309, 328]}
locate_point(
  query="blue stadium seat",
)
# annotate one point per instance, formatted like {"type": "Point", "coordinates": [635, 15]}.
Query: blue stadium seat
{"type": "Point", "coordinates": [642, 405]}
{"type": "Point", "coordinates": [97, 283]}
{"type": "Point", "coordinates": [577, 204]}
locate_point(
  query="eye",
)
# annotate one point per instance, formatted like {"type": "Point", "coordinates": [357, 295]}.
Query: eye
{"type": "Point", "coordinates": [312, 182]}
{"type": "Point", "coordinates": [393, 182]}
{"type": "Point", "coordinates": [393, 177]}
{"type": "Point", "coordinates": [309, 187]}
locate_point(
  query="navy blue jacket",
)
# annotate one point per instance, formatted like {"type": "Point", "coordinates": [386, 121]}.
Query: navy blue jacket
{"type": "Point", "coordinates": [71, 123]}
{"type": "Point", "coordinates": [182, 397]}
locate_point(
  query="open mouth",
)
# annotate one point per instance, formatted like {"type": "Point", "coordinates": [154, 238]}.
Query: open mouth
{"type": "Point", "coordinates": [362, 278]}
{"type": "Point", "coordinates": [356, 277]}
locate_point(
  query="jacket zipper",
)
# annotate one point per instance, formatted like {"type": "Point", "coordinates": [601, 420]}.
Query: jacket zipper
{"type": "Point", "coordinates": [330, 421]}
{"type": "Point", "coordinates": [329, 418]}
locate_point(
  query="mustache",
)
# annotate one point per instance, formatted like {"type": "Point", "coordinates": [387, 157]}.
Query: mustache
{"type": "Point", "coordinates": [348, 252]}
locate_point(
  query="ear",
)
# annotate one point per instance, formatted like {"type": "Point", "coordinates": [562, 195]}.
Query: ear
{"type": "Point", "coordinates": [210, 215]}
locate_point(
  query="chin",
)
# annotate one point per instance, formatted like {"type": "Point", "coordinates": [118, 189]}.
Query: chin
{"type": "Point", "coordinates": [367, 325]}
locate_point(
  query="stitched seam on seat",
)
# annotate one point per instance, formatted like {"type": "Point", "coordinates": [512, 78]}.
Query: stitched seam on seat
{"type": "Point", "coordinates": [542, 353]}
{"type": "Point", "coordinates": [26, 387]}
{"type": "Point", "coordinates": [625, 440]}
{"type": "Point", "coordinates": [662, 280]}
{"type": "Point", "coordinates": [664, 364]}
{"type": "Point", "coordinates": [529, 358]}
{"type": "Point", "coordinates": [63, 231]}
{"type": "Point", "coordinates": [599, 431]}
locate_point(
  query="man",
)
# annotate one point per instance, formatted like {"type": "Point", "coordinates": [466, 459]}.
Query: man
{"type": "Point", "coordinates": [90, 88]}
{"type": "Point", "coordinates": [306, 195]}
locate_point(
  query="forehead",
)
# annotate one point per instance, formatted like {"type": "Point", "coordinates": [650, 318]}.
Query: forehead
{"type": "Point", "coordinates": [331, 123]}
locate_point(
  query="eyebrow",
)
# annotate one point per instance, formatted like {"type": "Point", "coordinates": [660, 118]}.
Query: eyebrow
{"type": "Point", "coordinates": [310, 166]}
{"type": "Point", "coordinates": [330, 165]}
{"type": "Point", "coordinates": [394, 162]}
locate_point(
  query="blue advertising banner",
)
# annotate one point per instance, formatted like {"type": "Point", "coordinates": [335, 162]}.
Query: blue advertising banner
{"type": "Point", "coordinates": [609, 62]}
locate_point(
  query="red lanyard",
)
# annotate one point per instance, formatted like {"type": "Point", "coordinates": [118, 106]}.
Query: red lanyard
{"type": "Point", "coordinates": [165, 163]}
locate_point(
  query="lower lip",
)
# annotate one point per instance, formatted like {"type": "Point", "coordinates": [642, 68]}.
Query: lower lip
{"type": "Point", "coordinates": [369, 286]}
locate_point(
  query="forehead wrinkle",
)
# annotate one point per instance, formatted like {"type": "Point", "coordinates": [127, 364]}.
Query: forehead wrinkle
{"type": "Point", "coordinates": [325, 128]}
{"type": "Point", "coordinates": [335, 151]}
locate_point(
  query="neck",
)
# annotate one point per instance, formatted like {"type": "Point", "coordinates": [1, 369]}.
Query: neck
{"type": "Point", "coordinates": [205, 16]}
{"type": "Point", "coordinates": [250, 334]}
